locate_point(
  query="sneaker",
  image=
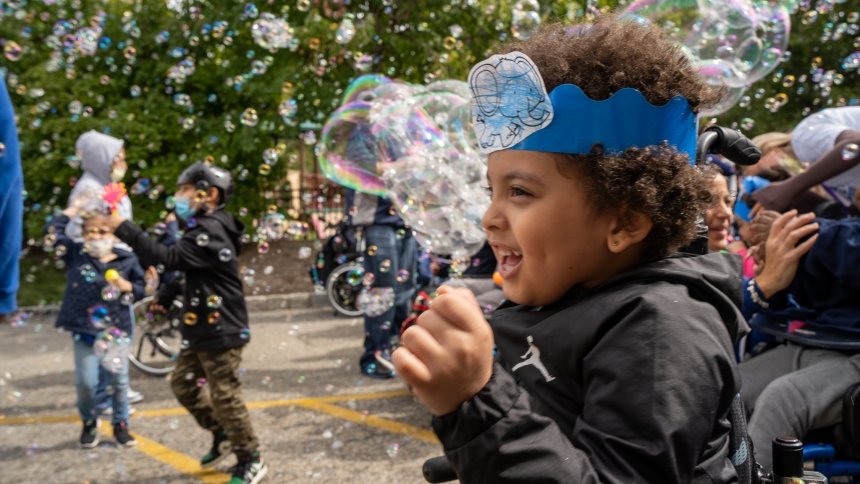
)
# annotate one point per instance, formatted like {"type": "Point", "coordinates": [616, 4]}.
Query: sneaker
{"type": "Point", "coordinates": [90, 434]}
{"type": "Point", "coordinates": [123, 438]}
{"type": "Point", "coordinates": [249, 471]}
{"type": "Point", "coordinates": [383, 358]}
{"type": "Point", "coordinates": [221, 449]}
{"type": "Point", "coordinates": [108, 411]}
{"type": "Point", "coordinates": [134, 396]}
{"type": "Point", "coordinates": [375, 370]}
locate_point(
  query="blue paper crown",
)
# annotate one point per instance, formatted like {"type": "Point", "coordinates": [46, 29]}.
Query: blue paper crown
{"type": "Point", "coordinates": [511, 110]}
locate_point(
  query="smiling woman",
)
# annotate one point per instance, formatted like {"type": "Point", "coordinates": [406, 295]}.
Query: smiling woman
{"type": "Point", "coordinates": [718, 217]}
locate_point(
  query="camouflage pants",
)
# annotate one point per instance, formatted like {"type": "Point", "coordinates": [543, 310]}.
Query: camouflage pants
{"type": "Point", "coordinates": [207, 384]}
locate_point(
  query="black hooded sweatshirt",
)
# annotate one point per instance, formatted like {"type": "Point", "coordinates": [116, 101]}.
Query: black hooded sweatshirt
{"type": "Point", "coordinates": [625, 383]}
{"type": "Point", "coordinates": [215, 316]}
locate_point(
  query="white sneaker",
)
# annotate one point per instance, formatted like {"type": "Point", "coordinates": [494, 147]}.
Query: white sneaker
{"type": "Point", "coordinates": [134, 396]}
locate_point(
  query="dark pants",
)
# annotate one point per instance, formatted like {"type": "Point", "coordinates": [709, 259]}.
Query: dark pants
{"type": "Point", "coordinates": [216, 402]}
{"type": "Point", "coordinates": [397, 246]}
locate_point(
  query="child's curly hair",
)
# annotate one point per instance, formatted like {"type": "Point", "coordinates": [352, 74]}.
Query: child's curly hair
{"type": "Point", "coordinates": [658, 181]}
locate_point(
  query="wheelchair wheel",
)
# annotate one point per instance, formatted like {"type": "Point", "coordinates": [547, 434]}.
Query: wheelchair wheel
{"type": "Point", "coordinates": [343, 286]}
{"type": "Point", "coordinates": [156, 341]}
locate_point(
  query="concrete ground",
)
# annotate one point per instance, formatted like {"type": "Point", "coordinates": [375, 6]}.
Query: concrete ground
{"type": "Point", "coordinates": [317, 417]}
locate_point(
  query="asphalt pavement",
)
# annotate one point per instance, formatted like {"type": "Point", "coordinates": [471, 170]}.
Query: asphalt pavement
{"type": "Point", "coordinates": [318, 419]}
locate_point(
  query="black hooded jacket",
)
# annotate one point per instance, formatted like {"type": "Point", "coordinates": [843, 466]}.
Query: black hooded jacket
{"type": "Point", "coordinates": [629, 382]}
{"type": "Point", "coordinates": [215, 316]}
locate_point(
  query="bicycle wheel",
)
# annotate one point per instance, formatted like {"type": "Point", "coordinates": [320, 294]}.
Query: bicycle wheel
{"type": "Point", "coordinates": [343, 286]}
{"type": "Point", "coordinates": [156, 341]}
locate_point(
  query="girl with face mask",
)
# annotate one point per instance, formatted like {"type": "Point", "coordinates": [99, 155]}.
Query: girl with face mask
{"type": "Point", "coordinates": [103, 281]}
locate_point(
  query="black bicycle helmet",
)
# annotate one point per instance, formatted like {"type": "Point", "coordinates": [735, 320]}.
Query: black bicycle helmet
{"type": "Point", "coordinates": [205, 176]}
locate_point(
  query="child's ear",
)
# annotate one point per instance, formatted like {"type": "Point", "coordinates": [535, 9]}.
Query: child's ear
{"type": "Point", "coordinates": [627, 229]}
{"type": "Point", "coordinates": [213, 196]}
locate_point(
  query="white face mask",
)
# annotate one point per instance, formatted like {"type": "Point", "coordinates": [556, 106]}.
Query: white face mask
{"type": "Point", "coordinates": [117, 174]}
{"type": "Point", "coordinates": [98, 248]}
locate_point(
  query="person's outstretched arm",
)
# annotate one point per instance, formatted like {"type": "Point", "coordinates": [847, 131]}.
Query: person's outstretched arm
{"type": "Point", "coordinates": [183, 255]}
{"type": "Point", "coordinates": [778, 195]}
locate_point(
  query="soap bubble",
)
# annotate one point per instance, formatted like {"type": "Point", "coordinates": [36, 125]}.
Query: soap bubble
{"type": "Point", "coordinates": [420, 140]}
{"type": "Point", "coordinates": [111, 347]}
{"type": "Point", "coordinates": [732, 43]}
{"type": "Point", "coordinates": [110, 293]}
{"type": "Point", "coordinates": [270, 32]}
{"type": "Point", "coordinates": [249, 117]}
{"type": "Point", "coordinates": [12, 51]}
{"type": "Point", "coordinates": [345, 32]}
{"type": "Point", "coordinates": [402, 275]}
{"type": "Point", "coordinates": [225, 254]}
{"type": "Point", "coordinates": [213, 301]}
{"type": "Point", "coordinates": [355, 276]}
{"type": "Point", "coordinates": [375, 301]}
{"type": "Point", "coordinates": [525, 19]}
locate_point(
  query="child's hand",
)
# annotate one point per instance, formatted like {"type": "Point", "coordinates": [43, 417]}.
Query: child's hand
{"type": "Point", "coordinates": [447, 356]}
{"type": "Point", "coordinates": [791, 236]}
{"type": "Point", "coordinates": [123, 285]}
{"type": "Point", "coordinates": [113, 221]}
{"type": "Point", "coordinates": [71, 211]}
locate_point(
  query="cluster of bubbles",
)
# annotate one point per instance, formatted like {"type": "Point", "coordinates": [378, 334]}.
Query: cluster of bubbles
{"type": "Point", "coordinates": [732, 43]}
{"type": "Point", "coordinates": [111, 347]}
{"type": "Point", "coordinates": [271, 32]}
{"type": "Point", "coordinates": [375, 301]}
{"type": "Point", "coordinates": [413, 144]}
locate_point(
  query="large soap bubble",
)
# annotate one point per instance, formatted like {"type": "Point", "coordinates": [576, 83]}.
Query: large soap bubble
{"type": "Point", "coordinates": [415, 145]}
{"type": "Point", "coordinates": [732, 43]}
{"type": "Point", "coordinates": [443, 207]}
{"type": "Point", "coordinates": [347, 150]}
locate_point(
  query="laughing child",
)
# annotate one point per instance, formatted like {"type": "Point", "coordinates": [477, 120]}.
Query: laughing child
{"type": "Point", "coordinates": [614, 353]}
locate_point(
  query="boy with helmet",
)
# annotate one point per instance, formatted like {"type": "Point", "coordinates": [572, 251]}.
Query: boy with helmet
{"type": "Point", "coordinates": [215, 324]}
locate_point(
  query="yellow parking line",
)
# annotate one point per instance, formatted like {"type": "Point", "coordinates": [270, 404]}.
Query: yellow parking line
{"type": "Point", "coordinates": [177, 460]}
{"type": "Point", "coordinates": [174, 411]}
{"type": "Point", "coordinates": [331, 398]}
{"type": "Point", "coordinates": [169, 412]}
{"type": "Point", "coordinates": [369, 420]}
{"type": "Point", "coordinates": [45, 419]}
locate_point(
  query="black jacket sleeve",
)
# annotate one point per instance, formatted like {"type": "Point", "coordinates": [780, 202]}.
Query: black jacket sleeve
{"type": "Point", "coordinates": [656, 386]}
{"type": "Point", "coordinates": [496, 438]}
{"type": "Point", "coordinates": [183, 255]}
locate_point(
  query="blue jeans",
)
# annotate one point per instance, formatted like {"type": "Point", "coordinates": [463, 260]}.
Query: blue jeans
{"type": "Point", "coordinates": [398, 246]}
{"type": "Point", "coordinates": [103, 399]}
{"type": "Point", "coordinates": [88, 373]}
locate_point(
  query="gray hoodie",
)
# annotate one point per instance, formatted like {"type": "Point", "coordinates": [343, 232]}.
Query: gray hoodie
{"type": "Point", "coordinates": [97, 152]}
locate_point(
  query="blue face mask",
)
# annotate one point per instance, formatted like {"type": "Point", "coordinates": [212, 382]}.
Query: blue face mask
{"type": "Point", "coordinates": [183, 208]}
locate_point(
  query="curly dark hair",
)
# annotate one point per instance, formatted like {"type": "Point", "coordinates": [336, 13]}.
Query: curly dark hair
{"type": "Point", "coordinates": [613, 53]}
{"type": "Point", "coordinates": [656, 181]}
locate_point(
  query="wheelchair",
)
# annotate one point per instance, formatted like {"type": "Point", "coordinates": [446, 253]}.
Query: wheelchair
{"type": "Point", "coordinates": [338, 269]}
{"type": "Point", "coordinates": [831, 459]}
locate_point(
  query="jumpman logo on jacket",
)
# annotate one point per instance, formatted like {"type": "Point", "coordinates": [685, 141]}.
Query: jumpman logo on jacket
{"type": "Point", "coordinates": [532, 357]}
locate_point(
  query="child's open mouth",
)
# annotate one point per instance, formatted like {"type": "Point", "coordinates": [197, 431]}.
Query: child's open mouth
{"type": "Point", "coordinates": [509, 262]}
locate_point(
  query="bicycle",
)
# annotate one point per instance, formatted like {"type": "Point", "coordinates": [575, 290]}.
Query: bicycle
{"type": "Point", "coordinates": [157, 339]}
